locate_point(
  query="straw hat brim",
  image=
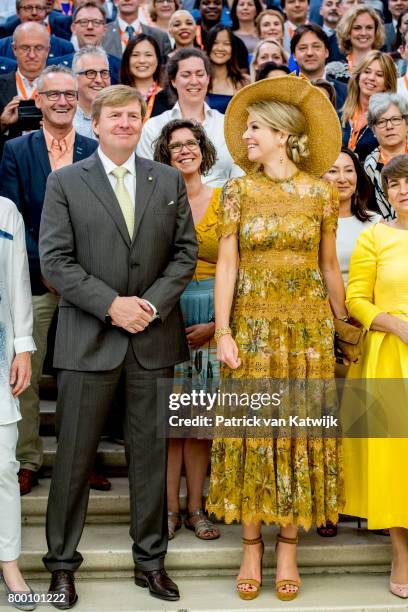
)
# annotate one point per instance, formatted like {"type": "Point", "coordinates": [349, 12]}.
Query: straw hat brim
{"type": "Point", "coordinates": [323, 126]}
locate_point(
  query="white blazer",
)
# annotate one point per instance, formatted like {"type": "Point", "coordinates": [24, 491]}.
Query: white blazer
{"type": "Point", "coordinates": [16, 313]}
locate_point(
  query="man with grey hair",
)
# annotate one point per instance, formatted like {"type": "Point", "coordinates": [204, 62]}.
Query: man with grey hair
{"type": "Point", "coordinates": [387, 117]}
{"type": "Point", "coordinates": [30, 11]}
{"type": "Point", "coordinates": [23, 11]}
{"type": "Point", "coordinates": [89, 26]}
{"type": "Point", "coordinates": [90, 64]}
{"type": "Point", "coordinates": [26, 164]}
{"type": "Point", "coordinates": [31, 43]}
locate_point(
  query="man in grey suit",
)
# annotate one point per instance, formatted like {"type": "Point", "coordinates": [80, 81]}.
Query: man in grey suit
{"type": "Point", "coordinates": [127, 25]}
{"type": "Point", "coordinates": [117, 242]}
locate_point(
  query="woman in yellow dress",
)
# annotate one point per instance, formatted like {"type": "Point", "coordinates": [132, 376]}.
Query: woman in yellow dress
{"type": "Point", "coordinates": [276, 257]}
{"type": "Point", "coordinates": [377, 296]}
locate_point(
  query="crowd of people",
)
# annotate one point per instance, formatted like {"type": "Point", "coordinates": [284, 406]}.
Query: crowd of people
{"type": "Point", "coordinates": [246, 164]}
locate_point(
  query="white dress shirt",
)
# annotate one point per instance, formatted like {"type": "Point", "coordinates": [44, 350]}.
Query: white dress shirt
{"type": "Point", "coordinates": [16, 312]}
{"type": "Point", "coordinates": [213, 124]}
{"type": "Point", "coordinates": [124, 24]}
{"type": "Point", "coordinates": [29, 87]}
{"type": "Point", "coordinates": [130, 184]}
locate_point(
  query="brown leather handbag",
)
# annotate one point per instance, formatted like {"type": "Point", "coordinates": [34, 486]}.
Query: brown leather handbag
{"type": "Point", "coordinates": [348, 340]}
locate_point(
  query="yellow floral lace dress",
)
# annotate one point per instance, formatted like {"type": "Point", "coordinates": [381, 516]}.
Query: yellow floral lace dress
{"type": "Point", "coordinates": [282, 323]}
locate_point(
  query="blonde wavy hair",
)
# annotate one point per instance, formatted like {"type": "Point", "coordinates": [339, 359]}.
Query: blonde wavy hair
{"type": "Point", "coordinates": [287, 118]}
{"type": "Point", "coordinates": [353, 96]}
{"type": "Point", "coordinates": [346, 23]}
{"type": "Point", "coordinates": [273, 12]}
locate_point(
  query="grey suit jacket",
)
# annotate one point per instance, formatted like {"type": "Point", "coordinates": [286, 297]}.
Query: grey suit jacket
{"type": "Point", "coordinates": [87, 255]}
{"type": "Point", "coordinates": [112, 42]}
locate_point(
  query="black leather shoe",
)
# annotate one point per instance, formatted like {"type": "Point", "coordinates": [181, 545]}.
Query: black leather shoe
{"type": "Point", "coordinates": [62, 587]}
{"type": "Point", "coordinates": [159, 584]}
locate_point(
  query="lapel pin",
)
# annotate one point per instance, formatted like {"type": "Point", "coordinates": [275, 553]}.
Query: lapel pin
{"type": "Point", "coordinates": [149, 178]}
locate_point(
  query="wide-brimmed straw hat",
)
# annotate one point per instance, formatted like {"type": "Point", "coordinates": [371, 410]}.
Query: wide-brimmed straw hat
{"type": "Point", "coordinates": [323, 126]}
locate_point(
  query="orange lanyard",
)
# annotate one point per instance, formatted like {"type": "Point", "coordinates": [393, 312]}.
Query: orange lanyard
{"type": "Point", "coordinates": [21, 88]}
{"type": "Point", "coordinates": [359, 121]}
{"type": "Point", "coordinates": [384, 160]}
{"type": "Point", "coordinates": [406, 80]}
{"type": "Point", "coordinates": [350, 62]}
{"type": "Point", "coordinates": [151, 96]}
{"type": "Point", "coordinates": [125, 36]}
{"type": "Point", "coordinates": [47, 25]}
{"type": "Point", "coordinates": [199, 37]}
{"type": "Point", "coordinates": [145, 12]}
{"type": "Point", "coordinates": [291, 31]}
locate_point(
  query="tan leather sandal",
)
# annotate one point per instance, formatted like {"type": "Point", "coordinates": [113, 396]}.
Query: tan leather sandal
{"type": "Point", "coordinates": [174, 523]}
{"type": "Point", "coordinates": [286, 595]}
{"type": "Point", "coordinates": [251, 581]}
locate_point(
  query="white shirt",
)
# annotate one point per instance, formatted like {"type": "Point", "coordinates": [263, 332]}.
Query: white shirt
{"type": "Point", "coordinates": [402, 87]}
{"type": "Point", "coordinates": [223, 169]}
{"type": "Point", "coordinates": [348, 230]}
{"type": "Point", "coordinates": [16, 312]}
{"type": "Point", "coordinates": [124, 24]}
{"type": "Point", "coordinates": [129, 178]}
{"type": "Point", "coordinates": [29, 87]}
{"type": "Point", "coordinates": [83, 124]}
{"type": "Point", "coordinates": [130, 184]}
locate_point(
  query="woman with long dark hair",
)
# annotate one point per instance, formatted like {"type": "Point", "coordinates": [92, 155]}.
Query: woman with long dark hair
{"type": "Point", "coordinates": [227, 78]}
{"type": "Point", "coordinates": [141, 68]}
{"type": "Point", "coordinates": [243, 16]}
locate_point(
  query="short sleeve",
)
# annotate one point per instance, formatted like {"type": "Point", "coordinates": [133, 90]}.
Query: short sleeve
{"type": "Point", "coordinates": [330, 209]}
{"type": "Point", "coordinates": [230, 209]}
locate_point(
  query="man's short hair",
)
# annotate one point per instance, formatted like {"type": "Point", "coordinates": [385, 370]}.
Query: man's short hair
{"type": "Point", "coordinates": [88, 50]}
{"type": "Point", "coordinates": [313, 28]}
{"type": "Point", "coordinates": [57, 69]}
{"type": "Point", "coordinates": [283, 3]}
{"type": "Point", "coordinates": [18, 4]}
{"type": "Point", "coordinates": [89, 4]}
{"type": "Point", "coordinates": [116, 96]}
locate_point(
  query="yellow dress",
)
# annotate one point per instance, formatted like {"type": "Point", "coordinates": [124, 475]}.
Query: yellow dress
{"type": "Point", "coordinates": [283, 326]}
{"type": "Point", "coordinates": [375, 469]}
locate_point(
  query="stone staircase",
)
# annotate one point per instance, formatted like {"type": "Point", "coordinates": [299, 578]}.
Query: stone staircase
{"type": "Point", "coordinates": [347, 573]}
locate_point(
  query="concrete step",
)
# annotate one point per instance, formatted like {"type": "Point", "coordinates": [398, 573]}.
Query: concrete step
{"type": "Point", "coordinates": [111, 456]}
{"type": "Point", "coordinates": [328, 593]}
{"type": "Point", "coordinates": [106, 549]}
{"type": "Point", "coordinates": [104, 506]}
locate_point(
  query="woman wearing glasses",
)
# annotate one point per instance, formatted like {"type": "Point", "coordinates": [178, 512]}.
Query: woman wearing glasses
{"type": "Point", "coordinates": [184, 145]}
{"type": "Point", "coordinates": [387, 117]}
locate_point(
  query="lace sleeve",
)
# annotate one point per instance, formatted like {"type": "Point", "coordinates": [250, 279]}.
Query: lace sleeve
{"type": "Point", "coordinates": [330, 209]}
{"type": "Point", "coordinates": [230, 209]}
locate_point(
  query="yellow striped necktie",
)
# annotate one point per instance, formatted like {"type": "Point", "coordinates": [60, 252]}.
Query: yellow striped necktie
{"type": "Point", "coordinates": [124, 199]}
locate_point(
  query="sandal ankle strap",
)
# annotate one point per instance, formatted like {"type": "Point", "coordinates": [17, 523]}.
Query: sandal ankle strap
{"type": "Point", "coordinates": [257, 540]}
{"type": "Point", "coordinates": [281, 538]}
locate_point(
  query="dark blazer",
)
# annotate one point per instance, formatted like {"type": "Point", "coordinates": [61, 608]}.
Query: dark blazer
{"type": "Point", "coordinates": [341, 92]}
{"type": "Point", "coordinates": [335, 55]}
{"type": "Point", "coordinates": [366, 142]}
{"type": "Point", "coordinates": [112, 42]}
{"type": "Point", "coordinates": [60, 25]}
{"type": "Point", "coordinates": [23, 174]}
{"type": "Point", "coordinates": [58, 46]}
{"type": "Point", "coordinates": [87, 255]}
{"type": "Point", "coordinates": [7, 65]}
{"type": "Point", "coordinates": [114, 65]}
{"type": "Point", "coordinates": [8, 89]}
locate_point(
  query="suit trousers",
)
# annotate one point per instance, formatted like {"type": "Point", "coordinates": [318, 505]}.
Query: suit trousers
{"type": "Point", "coordinates": [10, 505]}
{"type": "Point", "coordinates": [84, 400]}
{"type": "Point", "coordinates": [29, 445]}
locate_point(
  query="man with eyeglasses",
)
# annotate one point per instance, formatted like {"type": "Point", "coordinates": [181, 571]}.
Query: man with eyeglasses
{"type": "Point", "coordinates": [30, 46]}
{"type": "Point", "coordinates": [27, 162]}
{"type": "Point", "coordinates": [35, 11]}
{"type": "Point", "coordinates": [127, 25]}
{"type": "Point", "coordinates": [90, 64]}
{"type": "Point", "coordinates": [89, 27]}
{"type": "Point", "coordinates": [32, 10]}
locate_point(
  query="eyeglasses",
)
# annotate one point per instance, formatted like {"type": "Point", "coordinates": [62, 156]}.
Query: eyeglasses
{"type": "Point", "coordinates": [84, 23]}
{"type": "Point", "coordinates": [30, 8]}
{"type": "Point", "coordinates": [395, 121]}
{"type": "Point", "coordinates": [52, 94]}
{"type": "Point", "coordinates": [177, 147]}
{"type": "Point", "coordinates": [36, 48]}
{"type": "Point", "coordinates": [164, 1]}
{"type": "Point", "coordinates": [91, 73]}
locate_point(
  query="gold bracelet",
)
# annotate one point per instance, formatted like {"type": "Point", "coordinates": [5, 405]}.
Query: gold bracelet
{"type": "Point", "coordinates": [221, 331]}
